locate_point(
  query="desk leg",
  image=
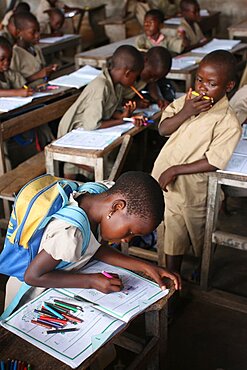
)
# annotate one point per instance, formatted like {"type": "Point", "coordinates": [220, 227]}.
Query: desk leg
{"type": "Point", "coordinates": [99, 169]}
{"type": "Point", "coordinates": [122, 154]}
{"type": "Point", "coordinates": [211, 218]}
{"type": "Point", "coordinates": [156, 326]}
{"type": "Point", "coordinates": [50, 164]}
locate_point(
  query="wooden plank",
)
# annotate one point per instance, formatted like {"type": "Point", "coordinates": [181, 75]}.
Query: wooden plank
{"type": "Point", "coordinates": [143, 253]}
{"type": "Point", "coordinates": [230, 240]}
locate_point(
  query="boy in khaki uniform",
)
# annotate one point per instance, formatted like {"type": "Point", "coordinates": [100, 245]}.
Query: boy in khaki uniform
{"type": "Point", "coordinates": [154, 37]}
{"type": "Point", "coordinates": [189, 26]}
{"type": "Point", "coordinates": [203, 135]}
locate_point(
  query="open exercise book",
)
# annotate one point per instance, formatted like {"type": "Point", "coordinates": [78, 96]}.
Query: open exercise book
{"type": "Point", "coordinates": [103, 315]}
{"type": "Point", "coordinates": [95, 140]}
{"type": "Point", "coordinates": [10, 103]}
{"type": "Point", "coordinates": [182, 62]}
{"type": "Point", "coordinates": [77, 79]}
{"type": "Point", "coordinates": [216, 44]}
{"type": "Point", "coordinates": [53, 39]}
{"type": "Point", "coordinates": [238, 161]}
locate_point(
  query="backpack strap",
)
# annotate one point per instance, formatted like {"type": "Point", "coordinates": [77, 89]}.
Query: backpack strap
{"type": "Point", "coordinates": [13, 304]}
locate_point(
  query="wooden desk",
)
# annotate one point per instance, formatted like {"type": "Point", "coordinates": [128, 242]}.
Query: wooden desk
{"type": "Point", "coordinates": [150, 349]}
{"type": "Point", "coordinates": [238, 30]}
{"type": "Point", "coordinates": [93, 158]}
{"type": "Point", "coordinates": [216, 237]}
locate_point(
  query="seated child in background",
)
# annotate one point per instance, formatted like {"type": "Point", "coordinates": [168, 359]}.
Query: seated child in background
{"type": "Point", "coordinates": [154, 37]}
{"type": "Point", "coordinates": [133, 206]}
{"type": "Point", "coordinates": [189, 27]}
{"type": "Point", "coordinates": [55, 24]}
{"type": "Point", "coordinates": [157, 63]}
{"type": "Point", "coordinates": [169, 7]}
{"type": "Point", "coordinates": [203, 134]}
{"type": "Point", "coordinates": [11, 82]}
{"type": "Point", "coordinates": [18, 8]}
{"type": "Point", "coordinates": [9, 31]}
{"type": "Point", "coordinates": [27, 56]}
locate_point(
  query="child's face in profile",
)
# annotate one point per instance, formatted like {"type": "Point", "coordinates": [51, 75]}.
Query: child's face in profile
{"type": "Point", "coordinates": [129, 77]}
{"type": "Point", "coordinates": [192, 13]}
{"type": "Point", "coordinates": [151, 26]}
{"type": "Point", "coordinates": [149, 74]}
{"type": "Point", "coordinates": [56, 22]}
{"type": "Point", "coordinates": [5, 58]}
{"type": "Point", "coordinates": [212, 81]}
{"type": "Point", "coordinates": [30, 34]}
{"type": "Point", "coordinates": [122, 227]}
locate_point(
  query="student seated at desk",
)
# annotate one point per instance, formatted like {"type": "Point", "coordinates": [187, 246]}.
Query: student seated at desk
{"type": "Point", "coordinates": [203, 132]}
{"type": "Point", "coordinates": [157, 63]}
{"type": "Point", "coordinates": [189, 27]}
{"type": "Point", "coordinates": [133, 206]}
{"type": "Point", "coordinates": [27, 56]}
{"type": "Point", "coordinates": [153, 36]}
{"type": "Point", "coordinates": [55, 24]}
{"type": "Point", "coordinates": [18, 8]}
{"type": "Point", "coordinates": [9, 31]}
{"type": "Point", "coordinates": [169, 7]}
{"type": "Point", "coordinates": [12, 83]}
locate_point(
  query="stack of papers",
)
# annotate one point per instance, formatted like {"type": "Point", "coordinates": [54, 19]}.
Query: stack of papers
{"type": "Point", "coordinates": [11, 103]}
{"type": "Point", "coordinates": [95, 140]}
{"type": "Point", "coordinates": [181, 62]}
{"type": "Point", "coordinates": [103, 315]}
{"type": "Point", "coordinates": [238, 161]}
{"type": "Point", "coordinates": [176, 21]}
{"type": "Point", "coordinates": [77, 79]}
{"type": "Point", "coordinates": [216, 44]}
{"type": "Point", "coordinates": [52, 40]}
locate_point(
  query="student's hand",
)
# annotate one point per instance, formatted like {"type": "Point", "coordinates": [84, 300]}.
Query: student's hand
{"type": "Point", "coordinates": [46, 71]}
{"type": "Point", "coordinates": [139, 121]}
{"type": "Point", "coordinates": [24, 92]}
{"type": "Point", "coordinates": [162, 104]}
{"type": "Point", "coordinates": [193, 106]}
{"type": "Point", "coordinates": [167, 177]}
{"type": "Point", "coordinates": [158, 274]}
{"type": "Point", "coordinates": [143, 103]}
{"type": "Point", "coordinates": [104, 284]}
{"type": "Point", "coordinates": [129, 108]}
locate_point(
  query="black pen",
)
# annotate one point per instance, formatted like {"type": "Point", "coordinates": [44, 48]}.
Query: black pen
{"type": "Point", "coordinates": [55, 331]}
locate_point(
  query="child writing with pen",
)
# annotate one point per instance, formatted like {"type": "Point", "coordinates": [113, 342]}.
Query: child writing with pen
{"type": "Point", "coordinates": [203, 132]}
{"type": "Point", "coordinates": [12, 83]}
{"type": "Point", "coordinates": [134, 205]}
{"type": "Point", "coordinates": [27, 56]}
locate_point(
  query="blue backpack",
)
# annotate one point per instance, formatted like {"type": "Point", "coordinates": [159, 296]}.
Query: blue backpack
{"type": "Point", "coordinates": [40, 200]}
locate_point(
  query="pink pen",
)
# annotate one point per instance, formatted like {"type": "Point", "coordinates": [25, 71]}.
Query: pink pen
{"type": "Point", "coordinates": [106, 274]}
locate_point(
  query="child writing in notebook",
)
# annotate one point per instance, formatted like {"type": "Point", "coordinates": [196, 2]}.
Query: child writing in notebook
{"type": "Point", "coordinates": [12, 83]}
{"type": "Point", "coordinates": [203, 132]}
{"type": "Point", "coordinates": [153, 36]}
{"type": "Point", "coordinates": [133, 206]}
{"type": "Point", "coordinates": [189, 28]}
{"type": "Point", "coordinates": [27, 56]}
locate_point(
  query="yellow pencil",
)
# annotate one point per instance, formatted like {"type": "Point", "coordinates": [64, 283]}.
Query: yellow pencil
{"type": "Point", "coordinates": [204, 96]}
{"type": "Point", "coordinates": [25, 87]}
{"type": "Point", "coordinates": [137, 92]}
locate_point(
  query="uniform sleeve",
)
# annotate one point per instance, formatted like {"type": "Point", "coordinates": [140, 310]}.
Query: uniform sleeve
{"type": "Point", "coordinates": [15, 64]}
{"type": "Point", "coordinates": [172, 109]}
{"type": "Point", "coordinates": [226, 136]}
{"type": "Point", "coordinates": [63, 241]}
{"type": "Point", "coordinates": [239, 104]}
{"type": "Point", "coordinates": [141, 42]}
{"type": "Point", "coordinates": [175, 44]}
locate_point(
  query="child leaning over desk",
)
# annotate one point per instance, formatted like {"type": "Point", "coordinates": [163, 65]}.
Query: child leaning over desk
{"type": "Point", "coordinates": [12, 83]}
{"type": "Point", "coordinates": [133, 206]}
{"type": "Point", "coordinates": [203, 134]}
{"type": "Point", "coordinates": [27, 56]}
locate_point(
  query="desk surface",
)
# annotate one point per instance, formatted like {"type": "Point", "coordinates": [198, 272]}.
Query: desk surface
{"type": "Point", "coordinates": [238, 30]}
{"type": "Point", "coordinates": [70, 42]}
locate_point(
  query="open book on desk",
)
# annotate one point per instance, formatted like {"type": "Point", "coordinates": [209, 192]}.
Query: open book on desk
{"type": "Point", "coordinates": [52, 40]}
{"type": "Point", "coordinates": [216, 44]}
{"type": "Point", "coordinates": [95, 140]}
{"type": "Point", "coordinates": [238, 162]}
{"type": "Point", "coordinates": [77, 79]}
{"type": "Point", "coordinates": [10, 103]}
{"type": "Point", "coordinates": [182, 62]}
{"type": "Point", "coordinates": [103, 315]}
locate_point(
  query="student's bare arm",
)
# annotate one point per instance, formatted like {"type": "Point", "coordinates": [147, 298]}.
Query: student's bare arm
{"type": "Point", "coordinates": [113, 257]}
{"type": "Point", "coordinates": [16, 92]}
{"type": "Point", "coordinates": [41, 272]}
{"type": "Point", "coordinates": [191, 107]}
{"type": "Point", "coordinates": [171, 173]}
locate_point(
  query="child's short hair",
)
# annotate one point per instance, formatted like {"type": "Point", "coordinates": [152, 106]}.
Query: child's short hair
{"type": "Point", "coordinates": [21, 20]}
{"type": "Point", "coordinates": [56, 11]}
{"type": "Point", "coordinates": [225, 60]}
{"type": "Point", "coordinates": [127, 56]}
{"type": "Point", "coordinates": [155, 13]}
{"type": "Point", "coordinates": [143, 195]}
{"type": "Point", "coordinates": [22, 7]}
{"type": "Point", "coordinates": [5, 43]}
{"type": "Point", "coordinates": [184, 4]}
{"type": "Point", "coordinates": [159, 57]}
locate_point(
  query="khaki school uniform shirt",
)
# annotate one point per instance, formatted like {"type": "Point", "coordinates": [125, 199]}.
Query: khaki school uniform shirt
{"type": "Point", "coordinates": [172, 43]}
{"type": "Point", "coordinates": [239, 104]}
{"type": "Point", "coordinates": [26, 63]}
{"type": "Point", "coordinates": [5, 33]}
{"type": "Point", "coordinates": [212, 135]}
{"type": "Point", "coordinates": [167, 8]}
{"type": "Point", "coordinates": [98, 101]}
{"type": "Point", "coordinates": [13, 80]}
{"type": "Point", "coordinates": [195, 35]}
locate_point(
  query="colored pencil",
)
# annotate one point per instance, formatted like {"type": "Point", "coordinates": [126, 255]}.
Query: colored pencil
{"type": "Point", "coordinates": [137, 92]}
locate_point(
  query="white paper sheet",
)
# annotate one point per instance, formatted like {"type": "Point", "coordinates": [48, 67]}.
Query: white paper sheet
{"type": "Point", "coordinates": [52, 40]}
{"type": "Point", "coordinates": [238, 162]}
{"type": "Point", "coordinates": [216, 44]}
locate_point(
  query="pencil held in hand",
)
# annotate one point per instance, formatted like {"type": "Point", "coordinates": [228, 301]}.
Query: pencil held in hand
{"type": "Point", "coordinates": [137, 92]}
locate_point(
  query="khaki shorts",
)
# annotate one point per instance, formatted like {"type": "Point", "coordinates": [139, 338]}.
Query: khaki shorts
{"type": "Point", "coordinates": [183, 228]}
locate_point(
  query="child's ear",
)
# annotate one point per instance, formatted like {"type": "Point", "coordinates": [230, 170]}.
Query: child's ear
{"type": "Point", "coordinates": [118, 205]}
{"type": "Point", "coordinates": [127, 72]}
{"type": "Point", "coordinates": [230, 86]}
